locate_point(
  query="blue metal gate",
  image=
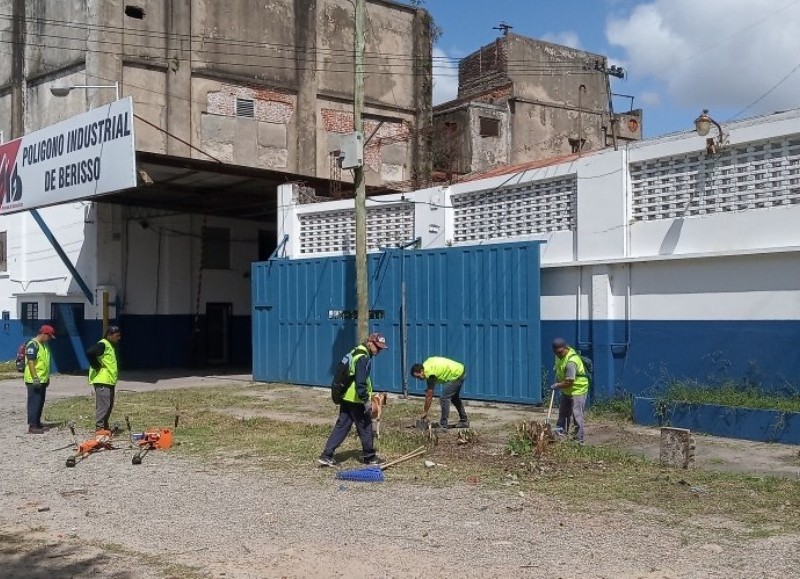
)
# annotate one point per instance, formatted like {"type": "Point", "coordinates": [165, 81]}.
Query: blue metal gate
{"type": "Point", "coordinates": [478, 305]}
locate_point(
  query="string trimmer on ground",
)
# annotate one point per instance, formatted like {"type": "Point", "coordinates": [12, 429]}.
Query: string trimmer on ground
{"type": "Point", "coordinates": [101, 441]}
{"type": "Point", "coordinates": [150, 439]}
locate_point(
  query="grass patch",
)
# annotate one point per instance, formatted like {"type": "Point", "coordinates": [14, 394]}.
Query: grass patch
{"type": "Point", "coordinates": [8, 370]}
{"type": "Point", "coordinates": [588, 477]}
{"type": "Point", "coordinates": [207, 430]}
{"type": "Point", "coordinates": [619, 408]}
{"type": "Point", "coordinates": [728, 394]}
{"type": "Point", "coordinates": [594, 476]}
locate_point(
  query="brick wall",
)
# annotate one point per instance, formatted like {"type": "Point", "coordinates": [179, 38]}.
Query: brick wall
{"type": "Point", "coordinates": [336, 121]}
{"type": "Point", "coordinates": [271, 106]}
{"type": "Point", "coordinates": [484, 69]}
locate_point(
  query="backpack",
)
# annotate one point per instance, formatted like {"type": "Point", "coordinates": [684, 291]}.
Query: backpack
{"type": "Point", "coordinates": [588, 367]}
{"type": "Point", "coordinates": [20, 361]}
{"type": "Point", "coordinates": [341, 378]}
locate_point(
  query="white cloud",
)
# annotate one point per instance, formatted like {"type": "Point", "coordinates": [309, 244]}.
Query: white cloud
{"type": "Point", "coordinates": [650, 98]}
{"type": "Point", "coordinates": [566, 38]}
{"type": "Point", "coordinates": [714, 53]}
{"type": "Point", "coordinates": [445, 76]}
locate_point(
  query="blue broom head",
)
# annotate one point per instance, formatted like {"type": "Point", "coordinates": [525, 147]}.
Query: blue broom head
{"type": "Point", "coordinates": [369, 474]}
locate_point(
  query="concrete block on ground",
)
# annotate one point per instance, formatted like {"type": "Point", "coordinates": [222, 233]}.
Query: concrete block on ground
{"type": "Point", "coordinates": [677, 447]}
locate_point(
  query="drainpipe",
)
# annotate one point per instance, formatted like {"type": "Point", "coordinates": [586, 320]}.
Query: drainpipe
{"type": "Point", "coordinates": [581, 92]}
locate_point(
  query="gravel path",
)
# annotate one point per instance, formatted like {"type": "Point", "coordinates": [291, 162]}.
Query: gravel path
{"type": "Point", "coordinates": [257, 524]}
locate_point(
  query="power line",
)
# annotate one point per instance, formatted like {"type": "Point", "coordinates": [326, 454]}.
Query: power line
{"type": "Point", "coordinates": [301, 51]}
{"type": "Point", "coordinates": [766, 94]}
{"type": "Point", "coordinates": [374, 68]}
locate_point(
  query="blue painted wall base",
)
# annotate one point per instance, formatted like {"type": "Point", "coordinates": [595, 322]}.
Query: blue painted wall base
{"type": "Point", "coordinates": [726, 421]}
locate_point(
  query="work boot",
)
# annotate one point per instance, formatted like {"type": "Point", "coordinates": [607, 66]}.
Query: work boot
{"type": "Point", "coordinates": [35, 430]}
{"type": "Point", "coordinates": [462, 424]}
{"type": "Point", "coordinates": [326, 460]}
{"type": "Point", "coordinates": [374, 460]}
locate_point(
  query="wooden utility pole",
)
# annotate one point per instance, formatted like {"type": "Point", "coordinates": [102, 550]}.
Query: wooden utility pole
{"type": "Point", "coordinates": [362, 289]}
{"type": "Point", "coordinates": [17, 68]}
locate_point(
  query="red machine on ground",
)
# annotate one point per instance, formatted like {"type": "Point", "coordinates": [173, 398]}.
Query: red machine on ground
{"type": "Point", "coordinates": [152, 438]}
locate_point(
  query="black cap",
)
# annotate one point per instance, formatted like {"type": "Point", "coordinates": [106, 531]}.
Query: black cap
{"type": "Point", "coordinates": [559, 343]}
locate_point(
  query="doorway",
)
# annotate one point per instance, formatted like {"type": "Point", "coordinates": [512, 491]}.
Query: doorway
{"type": "Point", "coordinates": [218, 333]}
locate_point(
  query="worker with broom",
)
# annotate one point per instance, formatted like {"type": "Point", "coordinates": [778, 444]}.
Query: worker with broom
{"type": "Point", "coordinates": [573, 382]}
{"type": "Point", "coordinates": [451, 375]}
{"type": "Point", "coordinates": [354, 407]}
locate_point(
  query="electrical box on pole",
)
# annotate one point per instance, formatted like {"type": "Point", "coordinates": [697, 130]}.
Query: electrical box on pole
{"type": "Point", "coordinates": [351, 150]}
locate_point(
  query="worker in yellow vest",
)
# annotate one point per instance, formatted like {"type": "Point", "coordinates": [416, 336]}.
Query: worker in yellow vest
{"type": "Point", "coordinates": [354, 406]}
{"type": "Point", "coordinates": [573, 382]}
{"type": "Point", "coordinates": [103, 374]}
{"type": "Point", "coordinates": [37, 376]}
{"type": "Point", "coordinates": [451, 375]}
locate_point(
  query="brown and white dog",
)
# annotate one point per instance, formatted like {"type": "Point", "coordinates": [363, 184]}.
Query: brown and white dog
{"type": "Point", "coordinates": [378, 402]}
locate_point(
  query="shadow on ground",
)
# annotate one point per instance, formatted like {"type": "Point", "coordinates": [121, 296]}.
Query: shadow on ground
{"type": "Point", "coordinates": [22, 560]}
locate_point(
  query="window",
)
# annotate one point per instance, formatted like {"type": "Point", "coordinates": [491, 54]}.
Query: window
{"type": "Point", "coordinates": [3, 252]}
{"type": "Point", "coordinates": [216, 248]}
{"type": "Point", "coordinates": [246, 108]}
{"type": "Point", "coordinates": [28, 315]}
{"type": "Point", "coordinates": [489, 127]}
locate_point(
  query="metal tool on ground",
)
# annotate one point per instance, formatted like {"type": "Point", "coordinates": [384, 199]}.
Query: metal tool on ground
{"type": "Point", "coordinates": [375, 473]}
{"type": "Point", "coordinates": [150, 439]}
{"type": "Point", "coordinates": [101, 441]}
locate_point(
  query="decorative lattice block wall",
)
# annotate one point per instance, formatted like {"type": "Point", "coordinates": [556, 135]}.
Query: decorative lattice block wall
{"type": "Point", "coordinates": [756, 175]}
{"type": "Point", "coordinates": [335, 231]}
{"type": "Point", "coordinates": [530, 208]}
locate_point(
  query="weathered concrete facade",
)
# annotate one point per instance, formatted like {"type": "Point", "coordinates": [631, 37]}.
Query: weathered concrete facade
{"type": "Point", "coordinates": [521, 99]}
{"type": "Point", "coordinates": [265, 87]}
{"type": "Point", "coordinates": [266, 84]}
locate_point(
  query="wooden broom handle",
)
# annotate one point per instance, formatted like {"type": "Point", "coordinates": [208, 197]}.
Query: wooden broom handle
{"type": "Point", "coordinates": [413, 454]}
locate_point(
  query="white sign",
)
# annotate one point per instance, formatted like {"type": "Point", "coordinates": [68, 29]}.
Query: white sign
{"type": "Point", "coordinates": [85, 156]}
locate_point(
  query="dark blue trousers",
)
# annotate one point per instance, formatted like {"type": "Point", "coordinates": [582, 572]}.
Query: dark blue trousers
{"type": "Point", "coordinates": [350, 414]}
{"type": "Point", "coordinates": [36, 395]}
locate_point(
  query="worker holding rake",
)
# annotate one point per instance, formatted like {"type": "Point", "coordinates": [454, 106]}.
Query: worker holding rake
{"type": "Point", "coordinates": [354, 406]}
{"type": "Point", "coordinates": [573, 382]}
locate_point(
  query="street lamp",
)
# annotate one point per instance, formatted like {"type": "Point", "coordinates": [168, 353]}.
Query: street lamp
{"type": "Point", "coordinates": [702, 125]}
{"type": "Point", "coordinates": [62, 91]}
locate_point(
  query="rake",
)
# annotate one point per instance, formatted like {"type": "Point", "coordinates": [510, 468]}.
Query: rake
{"type": "Point", "coordinates": [375, 473]}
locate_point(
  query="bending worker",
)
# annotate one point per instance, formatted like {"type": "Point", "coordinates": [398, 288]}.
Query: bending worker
{"type": "Point", "coordinates": [451, 375]}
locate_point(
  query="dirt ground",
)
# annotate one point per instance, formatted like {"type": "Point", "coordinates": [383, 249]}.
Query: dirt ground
{"type": "Point", "coordinates": [179, 517]}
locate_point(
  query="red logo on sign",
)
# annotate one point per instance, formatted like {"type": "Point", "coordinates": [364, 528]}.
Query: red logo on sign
{"type": "Point", "coordinates": [10, 181]}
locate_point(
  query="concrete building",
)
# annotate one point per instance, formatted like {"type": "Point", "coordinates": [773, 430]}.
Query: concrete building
{"type": "Point", "coordinates": [231, 99]}
{"type": "Point", "coordinates": [521, 99]}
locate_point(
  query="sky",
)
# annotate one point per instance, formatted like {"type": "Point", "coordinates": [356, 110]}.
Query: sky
{"type": "Point", "coordinates": [737, 58]}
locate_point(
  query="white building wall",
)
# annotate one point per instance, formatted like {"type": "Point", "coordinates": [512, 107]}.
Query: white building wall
{"type": "Point", "coordinates": [35, 272]}
{"type": "Point", "coordinates": [659, 257]}
{"type": "Point", "coordinates": [605, 230]}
